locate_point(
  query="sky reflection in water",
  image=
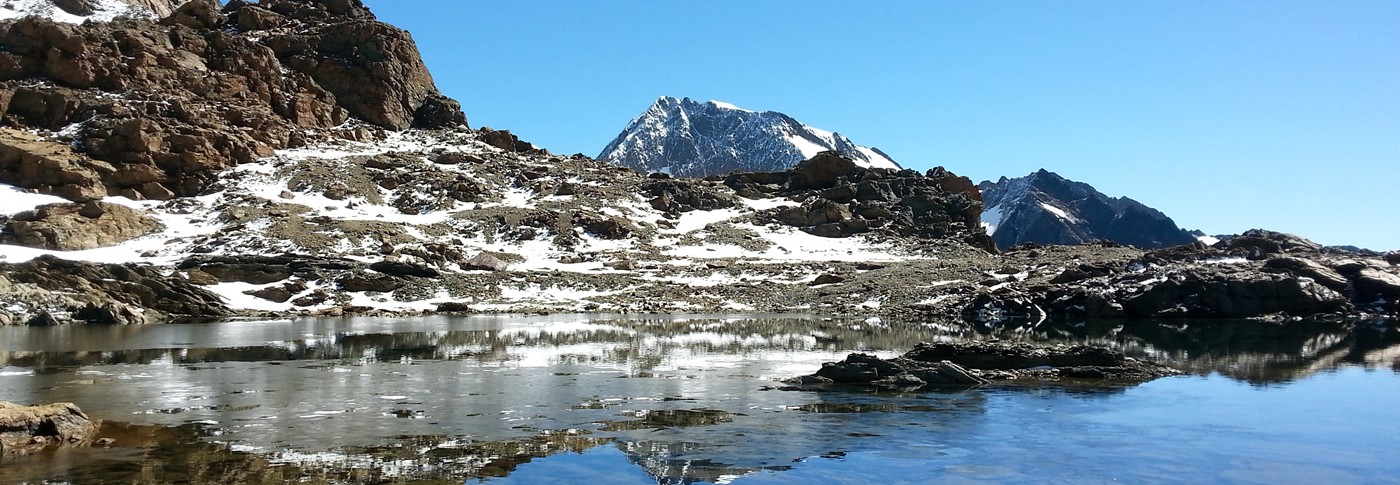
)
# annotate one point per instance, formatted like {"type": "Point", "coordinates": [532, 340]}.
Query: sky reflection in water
{"type": "Point", "coordinates": [691, 400]}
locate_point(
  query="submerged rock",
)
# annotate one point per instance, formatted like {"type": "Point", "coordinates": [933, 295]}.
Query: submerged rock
{"type": "Point", "coordinates": [26, 430]}
{"type": "Point", "coordinates": [977, 363]}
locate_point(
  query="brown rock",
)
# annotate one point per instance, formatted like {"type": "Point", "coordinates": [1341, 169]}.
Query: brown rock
{"type": "Point", "coordinates": [30, 161]}
{"type": "Point", "coordinates": [822, 171]}
{"type": "Point", "coordinates": [71, 227]}
{"type": "Point", "coordinates": [29, 429]}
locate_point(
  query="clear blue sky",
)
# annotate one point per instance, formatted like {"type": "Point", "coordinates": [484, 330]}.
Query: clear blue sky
{"type": "Point", "coordinates": [1225, 115]}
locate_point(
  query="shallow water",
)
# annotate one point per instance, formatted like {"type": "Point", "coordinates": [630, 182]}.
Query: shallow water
{"type": "Point", "coordinates": [693, 399]}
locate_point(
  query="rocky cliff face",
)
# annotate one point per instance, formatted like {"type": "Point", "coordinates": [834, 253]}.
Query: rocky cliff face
{"type": "Point", "coordinates": [687, 138]}
{"type": "Point", "coordinates": [1045, 208]}
{"type": "Point", "coordinates": [153, 110]}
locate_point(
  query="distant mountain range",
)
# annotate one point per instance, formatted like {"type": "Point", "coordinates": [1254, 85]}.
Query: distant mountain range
{"type": "Point", "coordinates": [688, 138]}
{"type": "Point", "coordinates": [1045, 208]}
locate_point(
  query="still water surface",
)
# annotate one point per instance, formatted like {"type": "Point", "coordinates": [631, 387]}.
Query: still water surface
{"type": "Point", "coordinates": [694, 399]}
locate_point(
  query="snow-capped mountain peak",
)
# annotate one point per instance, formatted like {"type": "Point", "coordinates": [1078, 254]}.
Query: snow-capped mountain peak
{"type": "Point", "coordinates": [689, 138]}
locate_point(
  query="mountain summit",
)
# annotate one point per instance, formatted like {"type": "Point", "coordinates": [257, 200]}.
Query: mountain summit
{"type": "Point", "coordinates": [1045, 208]}
{"type": "Point", "coordinates": [688, 138]}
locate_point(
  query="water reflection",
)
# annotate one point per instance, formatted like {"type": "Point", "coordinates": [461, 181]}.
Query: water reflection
{"type": "Point", "coordinates": [682, 398]}
{"type": "Point", "coordinates": [1259, 352]}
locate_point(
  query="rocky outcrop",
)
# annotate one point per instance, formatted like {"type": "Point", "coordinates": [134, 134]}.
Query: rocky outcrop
{"type": "Point", "coordinates": [981, 362]}
{"type": "Point", "coordinates": [26, 430]}
{"type": "Point", "coordinates": [69, 227]}
{"type": "Point", "coordinates": [373, 69]}
{"type": "Point", "coordinates": [49, 290]}
{"type": "Point", "coordinates": [155, 110]}
{"type": "Point", "coordinates": [839, 198]}
{"type": "Point", "coordinates": [1261, 274]}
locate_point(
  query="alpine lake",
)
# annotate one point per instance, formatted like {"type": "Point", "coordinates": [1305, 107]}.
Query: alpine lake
{"type": "Point", "coordinates": [680, 399]}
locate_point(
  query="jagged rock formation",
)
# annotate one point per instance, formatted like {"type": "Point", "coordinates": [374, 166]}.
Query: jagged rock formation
{"type": "Point", "coordinates": [687, 138]}
{"type": "Point", "coordinates": [156, 110]}
{"type": "Point", "coordinates": [1044, 208]}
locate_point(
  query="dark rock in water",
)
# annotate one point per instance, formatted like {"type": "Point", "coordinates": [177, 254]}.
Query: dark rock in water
{"type": "Point", "coordinates": [1015, 355]}
{"type": "Point", "coordinates": [975, 363]}
{"type": "Point", "coordinates": [26, 430]}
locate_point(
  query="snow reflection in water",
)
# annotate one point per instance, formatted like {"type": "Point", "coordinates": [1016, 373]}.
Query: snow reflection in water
{"type": "Point", "coordinates": [682, 399]}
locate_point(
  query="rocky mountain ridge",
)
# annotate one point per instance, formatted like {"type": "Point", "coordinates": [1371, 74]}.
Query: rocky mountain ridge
{"type": "Point", "coordinates": [688, 138]}
{"type": "Point", "coordinates": [1045, 208]}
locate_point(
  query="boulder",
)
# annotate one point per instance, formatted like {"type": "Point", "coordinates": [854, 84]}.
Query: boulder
{"type": "Point", "coordinates": [71, 227]}
{"type": "Point", "coordinates": [822, 171]}
{"type": "Point", "coordinates": [484, 262]}
{"type": "Point", "coordinates": [26, 430]}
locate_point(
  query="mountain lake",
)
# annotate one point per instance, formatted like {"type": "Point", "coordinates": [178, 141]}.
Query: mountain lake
{"type": "Point", "coordinates": [681, 399]}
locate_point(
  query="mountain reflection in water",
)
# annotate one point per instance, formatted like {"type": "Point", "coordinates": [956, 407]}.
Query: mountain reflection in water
{"type": "Point", "coordinates": [683, 399]}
